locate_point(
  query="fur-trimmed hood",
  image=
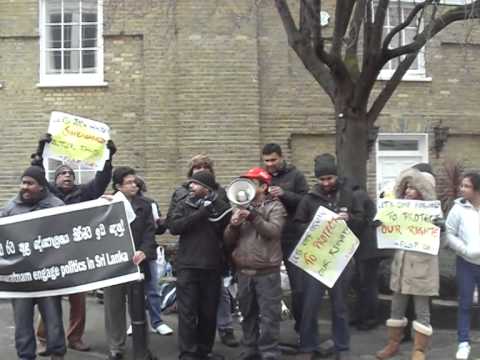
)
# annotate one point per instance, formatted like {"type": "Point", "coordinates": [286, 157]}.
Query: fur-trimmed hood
{"type": "Point", "coordinates": [423, 182]}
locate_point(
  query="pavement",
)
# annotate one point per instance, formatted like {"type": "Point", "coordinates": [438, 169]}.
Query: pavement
{"type": "Point", "coordinates": [364, 344]}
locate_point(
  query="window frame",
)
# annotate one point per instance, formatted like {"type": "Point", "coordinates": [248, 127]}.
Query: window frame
{"type": "Point", "coordinates": [419, 74]}
{"type": "Point", "coordinates": [66, 79]}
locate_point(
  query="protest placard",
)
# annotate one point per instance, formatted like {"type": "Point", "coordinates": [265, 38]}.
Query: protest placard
{"type": "Point", "coordinates": [325, 248]}
{"type": "Point", "coordinates": [66, 250]}
{"type": "Point", "coordinates": [407, 225]}
{"type": "Point", "coordinates": [77, 140]}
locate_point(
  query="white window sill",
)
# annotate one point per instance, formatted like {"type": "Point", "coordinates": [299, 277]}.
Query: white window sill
{"type": "Point", "coordinates": [69, 84]}
{"type": "Point", "coordinates": [406, 77]}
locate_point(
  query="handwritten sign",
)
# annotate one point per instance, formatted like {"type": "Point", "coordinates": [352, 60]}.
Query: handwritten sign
{"type": "Point", "coordinates": [407, 225]}
{"type": "Point", "coordinates": [77, 140]}
{"type": "Point", "coordinates": [325, 248]}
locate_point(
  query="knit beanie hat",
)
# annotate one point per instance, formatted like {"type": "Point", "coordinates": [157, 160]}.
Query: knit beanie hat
{"type": "Point", "coordinates": [325, 165]}
{"type": "Point", "coordinates": [63, 168]}
{"type": "Point", "coordinates": [204, 178]}
{"type": "Point", "coordinates": [37, 173]}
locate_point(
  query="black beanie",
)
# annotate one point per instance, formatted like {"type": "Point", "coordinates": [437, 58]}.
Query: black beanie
{"type": "Point", "coordinates": [62, 168]}
{"type": "Point", "coordinates": [325, 165]}
{"type": "Point", "coordinates": [204, 178]}
{"type": "Point", "coordinates": [37, 173]}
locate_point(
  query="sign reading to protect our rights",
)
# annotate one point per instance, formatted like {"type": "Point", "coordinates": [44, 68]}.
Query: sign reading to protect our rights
{"type": "Point", "coordinates": [325, 248]}
{"type": "Point", "coordinates": [66, 250]}
{"type": "Point", "coordinates": [407, 225]}
{"type": "Point", "coordinates": [77, 140]}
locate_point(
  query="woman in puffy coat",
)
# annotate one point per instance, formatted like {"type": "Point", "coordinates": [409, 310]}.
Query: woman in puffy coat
{"type": "Point", "coordinates": [463, 236]}
{"type": "Point", "coordinates": [412, 274]}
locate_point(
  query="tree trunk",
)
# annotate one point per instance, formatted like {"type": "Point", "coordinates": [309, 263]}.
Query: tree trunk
{"type": "Point", "coordinates": [351, 145]}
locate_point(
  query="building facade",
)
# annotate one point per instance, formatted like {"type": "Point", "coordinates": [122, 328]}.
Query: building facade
{"type": "Point", "coordinates": [177, 78]}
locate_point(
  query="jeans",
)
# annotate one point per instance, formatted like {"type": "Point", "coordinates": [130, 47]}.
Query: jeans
{"type": "Point", "coordinates": [259, 298]}
{"type": "Point", "coordinates": [295, 277]}
{"type": "Point", "coordinates": [468, 275]}
{"type": "Point", "coordinates": [51, 310]}
{"type": "Point", "coordinates": [154, 305]}
{"type": "Point", "coordinates": [313, 294]}
{"type": "Point", "coordinates": [224, 312]}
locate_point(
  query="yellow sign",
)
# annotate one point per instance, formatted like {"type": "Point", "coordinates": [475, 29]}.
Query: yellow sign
{"type": "Point", "coordinates": [78, 140]}
{"type": "Point", "coordinates": [407, 225]}
{"type": "Point", "coordinates": [325, 248]}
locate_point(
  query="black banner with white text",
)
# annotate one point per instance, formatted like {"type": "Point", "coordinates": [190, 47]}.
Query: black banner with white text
{"type": "Point", "coordinates": [65, 250]}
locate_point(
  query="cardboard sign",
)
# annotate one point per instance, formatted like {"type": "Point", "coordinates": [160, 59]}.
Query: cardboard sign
{"type": "Point", "coordinates": [77, 140]}
{"type": "Point", "coordinates": [325, 248]}
{"type": "Point", "coordinates": [407, 225]}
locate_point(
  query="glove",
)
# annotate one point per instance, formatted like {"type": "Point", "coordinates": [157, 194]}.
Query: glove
{"type": "Point", "coordinates": [440, 222]}
{"type": "Point", "coordinates": [113, 149]}
{"type": "Point", "coordinates": [377, 223]}
{"type": "Point", "coordinates": [44, 139]}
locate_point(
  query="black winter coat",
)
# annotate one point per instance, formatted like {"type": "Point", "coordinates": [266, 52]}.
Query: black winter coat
{"type": "Point", "coordinates": [343, 197]}
{"type": "Point", "coordinates": [201, 240]}
{"type": "Point", "coordinates": [295, 187]}
{"type": "Point", "coordinates": [85, 192]}
{"type": "Point", "coordinates": [143, 231]}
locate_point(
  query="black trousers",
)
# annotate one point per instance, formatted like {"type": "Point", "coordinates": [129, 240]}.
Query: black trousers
{"type": "Point", "coordinates": [366, 286]}
{"type": "Point", "coordinates": [198, 293]}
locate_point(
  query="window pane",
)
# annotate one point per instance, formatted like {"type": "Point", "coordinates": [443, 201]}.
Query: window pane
{"type": "Point", "coordinates": [393, 15]}
{"type": "Point", "coordinates": [89, 10]}
{"type": "Point", "coordinates": [54, 62]}
{"type": "Point", "coordinates": [54, 37]}
{"type": "Point", "coordinates": [71, 61]}
{"type": "Point", "coordinates": [89, 36]}
{"type": "Point", "coordinates": [71, 36]}
{"type": "Point", "coordinates": [89, 61]}
{"type": "Point", "coordinates": [398, 145]}
{"type": "Point", "coordinates": [71, 9]}
{"type": "Point", "coordinates": [53, 11]}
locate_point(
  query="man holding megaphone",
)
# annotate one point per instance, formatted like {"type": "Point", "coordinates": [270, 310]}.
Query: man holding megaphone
{"type": "Point", "coordinates": [254, 234]}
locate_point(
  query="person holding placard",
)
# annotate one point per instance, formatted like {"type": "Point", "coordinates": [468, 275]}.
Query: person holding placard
{"type": "Point", "coordinates": [333, 193]}
{"type": "Point", "coordinates": [64, 188]}
{"type": "Point", "coordinates": [463, 237]}
{"type": "Point", "coordinates": [413, 274]}
{"type": "Point", "coordinates": [34, 195]}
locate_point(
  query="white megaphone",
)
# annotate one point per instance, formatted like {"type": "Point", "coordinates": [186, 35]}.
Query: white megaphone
{"type": "Point", "coordinates": [241, 191]}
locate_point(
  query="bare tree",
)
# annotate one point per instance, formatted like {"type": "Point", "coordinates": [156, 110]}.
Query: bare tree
{"type": "Point", "coordinates": [347, 64]}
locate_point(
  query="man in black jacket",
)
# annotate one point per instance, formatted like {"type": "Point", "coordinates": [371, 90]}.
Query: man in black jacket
{"type": "Point", "coordinates": [143, 233]}
{"type": "Point", "coordinates": [199, 264]}
{"type": "Point", "coordinates": [334, 194]}
{"type": "Point", "coordinates": [289, 186]}
{"type": "Point", "coordinates": [64, 188]}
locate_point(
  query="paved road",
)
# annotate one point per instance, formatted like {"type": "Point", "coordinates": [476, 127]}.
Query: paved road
{"type": "Point", "coordinates": [364, 344]}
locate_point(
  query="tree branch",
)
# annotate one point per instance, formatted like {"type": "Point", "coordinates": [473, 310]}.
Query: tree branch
{"type": "Point", "coordinates": [351, 50]}
{"type": "Point", "coordinates": [390, 87]}
{"type": "Point", "coordinates": [403, 25]}
{"type": "Point", "coordinates": [379, 21]}
{"type": "Point", "coordinates": [343, 12]}
{"type": "Point", "coordinates": [302, 48]}
{"type": "Point", "coordinates": [463, 12]}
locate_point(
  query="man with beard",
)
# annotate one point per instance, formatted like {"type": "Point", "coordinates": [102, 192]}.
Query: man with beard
{"type": "Point", "coordinates": [333, 193]}
{"type": "Point", "coordinates": [64, 188]}
{"type": "Point", "coordinates": [34, 195]}
{"type": "Point", "coordinates": [289, 186]}
{"type": "Point", "coordinates": [200, 262]}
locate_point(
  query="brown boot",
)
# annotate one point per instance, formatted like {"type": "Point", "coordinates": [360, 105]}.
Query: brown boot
{"type": "Point", "coordinates": [395, 334]}
{"type": "Point", "coordinates": [423, 334]}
